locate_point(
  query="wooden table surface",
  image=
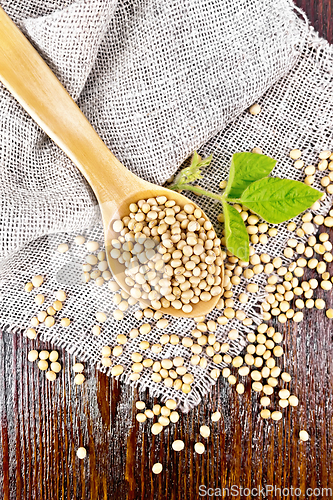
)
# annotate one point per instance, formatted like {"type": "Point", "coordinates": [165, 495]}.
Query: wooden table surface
{"type": "Point", "coordinates": [42, 424]}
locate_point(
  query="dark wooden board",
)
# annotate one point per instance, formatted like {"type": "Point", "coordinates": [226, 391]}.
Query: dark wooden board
{"type": "Point", "coordinates": [320, 14]}
{"type": "Point", "coordinates": [43, 424]}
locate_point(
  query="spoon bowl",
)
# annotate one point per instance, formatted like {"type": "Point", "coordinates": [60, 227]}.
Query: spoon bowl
{"type": "Point", "coordinates": [118, 270]}
{"type": "Point", "coordinates": [26, 75]}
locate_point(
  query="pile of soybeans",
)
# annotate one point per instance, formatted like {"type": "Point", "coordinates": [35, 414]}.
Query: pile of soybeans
{"type": "Point", "coordinates": [172, 256]}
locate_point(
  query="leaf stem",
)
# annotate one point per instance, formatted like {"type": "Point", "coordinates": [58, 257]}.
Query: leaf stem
{"type": "Point", "coordinates": [233, 200]}
{"type": "Point", "coordinates": [196, 190]}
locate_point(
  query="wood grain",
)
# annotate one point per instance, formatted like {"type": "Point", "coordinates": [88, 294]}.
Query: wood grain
{"type": "Point", "coordinates": [43, 424]}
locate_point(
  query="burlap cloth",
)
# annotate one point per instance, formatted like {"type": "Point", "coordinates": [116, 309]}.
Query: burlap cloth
{"type": "Point", "coordinates": [157, 80]}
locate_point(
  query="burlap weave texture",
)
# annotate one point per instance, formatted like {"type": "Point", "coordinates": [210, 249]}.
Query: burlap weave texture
{"type": "Point", "coordinates": [157, 80]}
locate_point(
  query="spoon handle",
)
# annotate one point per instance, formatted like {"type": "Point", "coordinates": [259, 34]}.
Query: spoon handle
{"type": "Point", "coordinates": [26, 75]}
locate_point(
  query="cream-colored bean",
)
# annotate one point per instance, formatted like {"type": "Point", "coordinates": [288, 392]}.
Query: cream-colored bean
{"type": "Point", "coordinates": [157, 468]}
{"type": "Point", "coordinates": [37, 281]}
{"type": "Point", "coordinates": [117, 370]}
{"type": "Point", "coordinates": [49, 321]}
{"type": "Point", "coordinates": [65, 322]}
{"type": "Point", "coordinates": [174, 417]}
{"type": "Point", "coordinates": [145, 328]}
{"type": "Point", "coordinates": [156, 428]}
{"type": "Point", "coordinates": [54, 356]}
{"type": "Point", "coordinates": [79, 240]}
{"type": "Point", "coordinates": [79, 379]}
{"type": "Point", "coordinates": [255, 109]}
{"type": "Point", "coordinates": [117, 314]}
{"type": "Point", "coordinates": [55, 366]}
{"type": "Point", "coordinates": [199, 448]}
{"type": "Point", "coordinates": [101, 317]}
{"type": "Point", "coordinates": [304, 436]}
{"type": "Point", "coordinates": [293, 400]}
{"type": "Point", "coordinates": [32, 356]}
{"type": "Point", "coordinates": [276, 415]}
{"type": "Point", "coordinates": [78, 368]}
{"type": "Point", "coordinates": [107, 362]}
{"type": "Point", "coordinates": [178, 445]}
{"type": "Point", "coordinates": [295, 154]}
{"type": "Point", "coordinates": [96, 330]}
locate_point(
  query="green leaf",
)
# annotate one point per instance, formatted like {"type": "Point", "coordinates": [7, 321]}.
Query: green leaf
{"type": "Point", "coordinates": [246, 168]}
{"type": "Point", "coordinates": [277, 200]}
{"type": "Point", "coordinates": [193, 172]}
{"type": "Point", "coordinates": [237, 238]}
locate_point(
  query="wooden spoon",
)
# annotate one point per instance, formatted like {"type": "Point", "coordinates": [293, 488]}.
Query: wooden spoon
{"type": "Point", "coordinates": [33, 84]}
